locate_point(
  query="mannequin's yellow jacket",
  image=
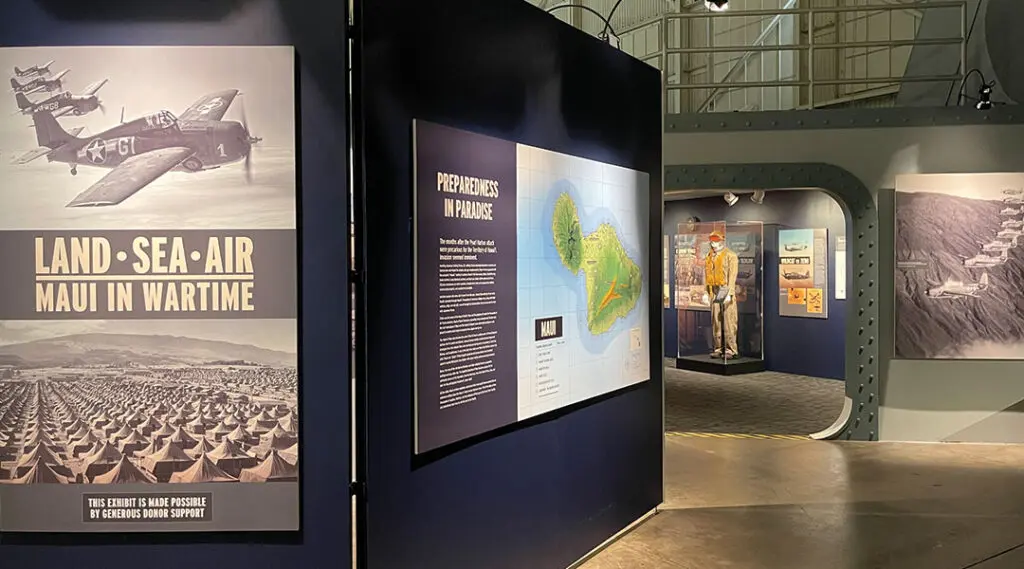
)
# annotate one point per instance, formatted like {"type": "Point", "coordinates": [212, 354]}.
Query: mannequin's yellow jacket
{"type": "Point", "coordinates": [720, 270]}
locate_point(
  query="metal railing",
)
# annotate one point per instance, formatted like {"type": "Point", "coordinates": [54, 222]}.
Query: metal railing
{"type": "Point", "coordinates": [807, 80]}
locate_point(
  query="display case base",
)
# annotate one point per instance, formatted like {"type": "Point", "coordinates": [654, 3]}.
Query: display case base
{"type": "Point", "coordinates": [734, 366]}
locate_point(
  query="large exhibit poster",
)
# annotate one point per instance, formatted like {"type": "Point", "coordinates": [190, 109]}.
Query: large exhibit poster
{"type": "Point", "coordinates": [745, 239]}
{"type": "Point", "coordinates": [959, 270]}
{"type": "Point", "coordinates": [666, 265]}
{"type": "Point", "coordinates": [531, 282]}
{"type": "Point", "coordinates": [691, 249]}
{"type": "Point", "coordinates": [148, 321]}
{"type": "Point", "coordinates": [803, 273]}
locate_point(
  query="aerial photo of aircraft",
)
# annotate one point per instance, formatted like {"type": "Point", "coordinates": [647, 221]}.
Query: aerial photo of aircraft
{"type": "Point", "coordinates": [1013, 200]}
{"type": "Point", "coordinates": [958, 289]}
{"type": "Point", "coordinates": [63, 103]}
{"type": "Point", "coordinates": [740, 246]}
{"type": "Point", "coordinates": [140, 151]}
{"type": "Point", "coordinates": [1011, 211]}
{"type": "Point", "coordinates": [795, 246]}
{"type": "Point", "coordinates": [795, 276]}
{"type": "Point", "coordinates": [997, 246]}
{"type": "Point", "coordinates": [36, 84]}
{"type": "Point", "coordinates": [1013, 223]}
{"type": "Point", "coordinates": [982, 260]}
{"type": "Point", "coordinates": [33, 70]}
{"type": "Point", "coordinates": [1009, 234]}
{"type": "Point", "coordinates": [1014, 192]}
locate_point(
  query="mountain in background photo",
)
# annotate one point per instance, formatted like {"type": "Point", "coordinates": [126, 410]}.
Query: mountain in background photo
{"type": "Point", "coordinates": [940, 231]}
{"type": "Point", "coordinates": [114, 349]}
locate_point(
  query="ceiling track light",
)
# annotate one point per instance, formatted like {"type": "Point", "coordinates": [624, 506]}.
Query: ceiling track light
{"type": "Point", "coordinates": [730, 198]}
{"type": "Point", "coordinates": [716, 5]}
{"type": "Point", "coordinates": [757, 197]}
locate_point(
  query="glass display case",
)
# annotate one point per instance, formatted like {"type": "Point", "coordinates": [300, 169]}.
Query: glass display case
{"type": "Point", "coordinates": [719, 296]}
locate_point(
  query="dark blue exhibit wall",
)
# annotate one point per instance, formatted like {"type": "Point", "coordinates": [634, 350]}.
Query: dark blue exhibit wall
{"type": "Point", "coordinates": [316, 29]}
{"type": "Point", "coordinates": [542, 493]}
{"type": "Point", "coordinates": [805, 346]}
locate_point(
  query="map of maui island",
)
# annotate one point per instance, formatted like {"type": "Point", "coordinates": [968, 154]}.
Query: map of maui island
{"type": "Point", "coordinates": [613, 280]}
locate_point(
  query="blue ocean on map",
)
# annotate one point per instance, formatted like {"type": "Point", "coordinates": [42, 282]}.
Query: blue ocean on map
{"type": "Point", "coordinates": [590, 219]}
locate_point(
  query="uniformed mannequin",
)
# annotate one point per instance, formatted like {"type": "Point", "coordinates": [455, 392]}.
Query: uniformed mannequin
{"type": "Point", "coordinates": [720, 268]}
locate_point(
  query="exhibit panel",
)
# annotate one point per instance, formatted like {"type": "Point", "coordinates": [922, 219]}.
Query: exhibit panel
{"type": "Point", "coordinates": [958, 266]}
{"type": "Point", "coordinates": [149, 344]}
{"type": "Point", "coordinates": [318, 111]}
{"type": "Point", "coordinates": [525, 79]}
{"type": "Point", "coordinates": [803, 273]}
{"type": "Point", "coordinates": [719, 300]}
{"type": "Point", "coordinates": [531, 282]}
{"type": "Point", "coordinates": [666, 268]}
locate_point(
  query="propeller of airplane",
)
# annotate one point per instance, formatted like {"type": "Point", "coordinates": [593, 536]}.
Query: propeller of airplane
{"type": "Point", "coordinates": [249, 139]}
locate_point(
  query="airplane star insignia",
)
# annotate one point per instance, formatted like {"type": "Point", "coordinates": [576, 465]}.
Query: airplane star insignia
{"type": "Point", "coordinates": [97, 153]}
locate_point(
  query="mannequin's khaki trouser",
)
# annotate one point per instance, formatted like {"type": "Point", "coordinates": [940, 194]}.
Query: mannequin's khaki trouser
{"type": "Point", "coordinates": [731, 317]}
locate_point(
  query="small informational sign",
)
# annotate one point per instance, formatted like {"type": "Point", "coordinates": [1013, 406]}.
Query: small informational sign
{"type": "Point", "coordinates": [803, 272]}
{"type": "Point", "coordinates": [841, 267]}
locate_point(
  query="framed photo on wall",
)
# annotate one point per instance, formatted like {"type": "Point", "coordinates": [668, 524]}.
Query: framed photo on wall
{"type": "Point", "coordinates": [803, 273]}
{"type": "Point", "coordinates": [959, 266]}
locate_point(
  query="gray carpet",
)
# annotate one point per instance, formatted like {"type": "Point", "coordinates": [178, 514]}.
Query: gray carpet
{"type": "Point", "coordinates": [765, 403]}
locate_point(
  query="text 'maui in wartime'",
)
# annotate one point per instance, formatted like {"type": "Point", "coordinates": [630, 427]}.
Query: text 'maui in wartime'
{"type": "Point", "coordinates": [153, 274]}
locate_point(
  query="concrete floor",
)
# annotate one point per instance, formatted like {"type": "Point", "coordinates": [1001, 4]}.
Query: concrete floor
{"type": "Point", "coordinates": [777, 504]}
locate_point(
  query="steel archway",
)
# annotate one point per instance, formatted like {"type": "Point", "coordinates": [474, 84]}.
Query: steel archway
{"type": "Point", "coordinates": [859, 418]}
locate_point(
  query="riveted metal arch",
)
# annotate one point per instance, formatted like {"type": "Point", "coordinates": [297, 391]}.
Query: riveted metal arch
{"type": "Point", "coordinates": [862, 330]}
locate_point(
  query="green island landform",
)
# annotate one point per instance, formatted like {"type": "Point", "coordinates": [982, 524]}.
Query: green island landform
{"type": "Point", "coordinates": [613, 279]}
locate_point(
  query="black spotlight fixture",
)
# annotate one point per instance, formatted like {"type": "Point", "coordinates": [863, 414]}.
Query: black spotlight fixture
{"type": "Point", "coordinates": [984, 102]}
{"type": "Point", "coordinates": [716, 5]}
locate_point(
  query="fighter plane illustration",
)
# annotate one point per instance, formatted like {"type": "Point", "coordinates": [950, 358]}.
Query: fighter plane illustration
{"type": "Point", "coordinates": [997, 246]}
{"type": "Point", "coordinates": [63, 103]}
{"type": "Point", "coordinates": [1011, 211]}
{"type": "Point", "coordinates": [958, 289]}
{"type": "Point", "coordinates": [740, 246]}
{"type": "Point", "coordinates": [795, 246]}
{"type": "Point", "coordinates": [744, 275]}
{"type": "Point", "coordinates": [140, 151]}
{"type": "Point", "coordinates": [1013, 224]}
{"type": "Point", "coordinates": [33, 70]}
{"type": "Point", "coordinates": [36, 84]}
{"type": "Point", "coordinates": [610, 295]}
{"type": "Point", "coordinates": [982, 260]}
{"type": "Point", "coordinates": [796, 276]}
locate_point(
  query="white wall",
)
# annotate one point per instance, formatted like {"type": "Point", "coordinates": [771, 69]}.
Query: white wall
{"type": "Point", "coordinates": [921, 400]}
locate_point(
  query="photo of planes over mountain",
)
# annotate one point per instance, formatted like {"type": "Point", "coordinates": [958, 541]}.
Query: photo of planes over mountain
{"type": "Point", "coordinates": [178, 131]}
{"type": "Point", "coordinates": [959, 266]}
